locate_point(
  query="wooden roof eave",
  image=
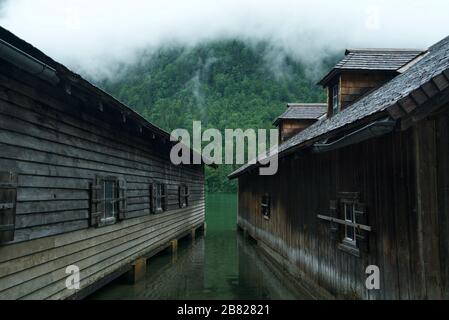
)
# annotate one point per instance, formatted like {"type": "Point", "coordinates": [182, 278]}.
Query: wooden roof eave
{"type": "Point", "coordinates": [310, 143]}
{"type": "Point", "coordinates": [277, 121]}
{"type": "Point", "coordinates": [106, 99]}
{"type": "Point", "coordinates": [340, 131]}
{"type": "Point", "coordinates": [89, 92]}
{"type": "Point", "coordinates": [422, 101]}
{"type": "Point", "coordinates": [415, 106]}
{"type": "Point", "coordinates": [71, 78]}
{"type": "Point", "coordinates": [337, 72]}
{"type": "Point", "coordinates": [328, 77]}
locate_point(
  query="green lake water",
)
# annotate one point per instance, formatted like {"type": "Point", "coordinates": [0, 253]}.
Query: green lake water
{"type": "Point", "coordinates": [221, 265]}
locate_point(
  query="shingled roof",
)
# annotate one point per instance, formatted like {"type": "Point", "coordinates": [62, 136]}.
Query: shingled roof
{"type": "Point", "coordinates": [302, 111]}
{"type": "Point", "coordinates": [373, 60]}
{"type": "Point", "coordinates": [399, 97]}
{"type": "Point", "coordinates": [145, 127]}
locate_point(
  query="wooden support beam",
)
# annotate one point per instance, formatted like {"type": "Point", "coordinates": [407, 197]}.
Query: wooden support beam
{"type": "Point", "coordinates": [173, 248]}
{"type": "Point", "coordinates": [408, 104]}
{"type": "Point", "coordinates": [446, 73]}
{"type": "Point", "coordinates": [396, 111]}
{"type": "Point", "coordinates": [441, 82]}
{"type": "Point", "coordinates": [429, 107]}
{"type": "Point", "coordinates": [137, 272]}
{"type": "Point", "coordinates": [203, 228]}
{"type": "Point", "coordinates": [192, 234]}
{"type": "Point", "coordinates": [346, 223]}
{"type": "Point", "coordinates": [430, 89]}
{"type": "Point", "coordinates": [419, 96]}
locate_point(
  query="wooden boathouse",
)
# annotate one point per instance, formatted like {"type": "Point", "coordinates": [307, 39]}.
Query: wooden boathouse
{"type": "Point", "coordinates": [365, 185]}
{"type": "Point", "coordinates": [84, 181]}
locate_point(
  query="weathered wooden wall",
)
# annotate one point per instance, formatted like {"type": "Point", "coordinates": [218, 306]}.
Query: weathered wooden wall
{"type": "Point", "coordinates": [356, 84]}
{"type": "Point", "coordinates": [288, 128]}
{"type": "Point", "coordinates": [403, 179]}
{"type": "Point", "coordinates": [56, 144]}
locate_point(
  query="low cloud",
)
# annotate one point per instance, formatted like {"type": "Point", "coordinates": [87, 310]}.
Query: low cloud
{"type": "Point", "coordinates": [94, 37]}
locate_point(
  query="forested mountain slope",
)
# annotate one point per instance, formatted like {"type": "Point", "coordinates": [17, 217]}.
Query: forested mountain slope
{"type": "Point", "coordinates": [224, 84]}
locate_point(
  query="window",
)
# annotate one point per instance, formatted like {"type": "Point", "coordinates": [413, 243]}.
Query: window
{"type": "Point", "coordinates": [266, 206]}
{"type": "Point", "coordinates": [335, 99]}
{"type": "Point", "coordinates": [8, 195]}
{"type": "Point", "coordinates": [183, 196]}
{"type": "Point", "coordinates": [348, 223]}
{"type": "Point", "coordinates": [108, 201]}
{"type": "Point", "coordinates": [350, 230]}
{"type": "Point", "coordinates": [158, 197]}
{"type": "Point", "coordinates": [109, 192]}
{"type": "Point", "coordinates": [349, 213]}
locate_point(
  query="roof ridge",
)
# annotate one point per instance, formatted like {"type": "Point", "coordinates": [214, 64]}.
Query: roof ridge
{"type": "Point", "coordinates": [402, 50]}
{"type": "Point", "coordinates": [299, 104]}
{"type": "Point", "coordinates": [373, 59]}
{"type": "Point", "coordinates": [442, 42]}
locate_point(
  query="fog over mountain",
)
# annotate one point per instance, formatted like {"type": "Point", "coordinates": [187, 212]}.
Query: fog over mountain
{"type": "Point", "coordinates": [94, 37]}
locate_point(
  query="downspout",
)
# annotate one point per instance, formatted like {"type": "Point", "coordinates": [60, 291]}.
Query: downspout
{"type": "Point", "coordinates": [24, 61]}
{"type": "Point", "coordinates": [375, 129]}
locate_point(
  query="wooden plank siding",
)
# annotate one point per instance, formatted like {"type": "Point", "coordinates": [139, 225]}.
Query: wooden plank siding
{"type": "Point", "coordinates": [402, 178]}
{"type": "Point", "coordinates": [57, 144]}
{"type": "Point", "coordinates": [289, 127]}
{"type": "Point", "coordinates": [353, 85]}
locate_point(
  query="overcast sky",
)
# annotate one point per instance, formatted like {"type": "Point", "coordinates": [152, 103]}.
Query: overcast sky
{"type": "Point", "coordinates": [92, 36]}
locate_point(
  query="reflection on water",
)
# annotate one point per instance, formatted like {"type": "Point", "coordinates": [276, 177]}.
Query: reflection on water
{"type": "Point", "coordinates": [221, 265]}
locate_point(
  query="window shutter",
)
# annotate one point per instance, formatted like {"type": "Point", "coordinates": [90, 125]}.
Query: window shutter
{"type": "Point", "coordinates": [8, 197]}
{"type": "Point", "coordinates": [165, 198]}
{"type": "Point", "coordinates": [333, 212]}
{"type": "Point", "coordinates": [122, 199]}
{"type": "Point", "coordinates": [361, 217]}
{"type": "Point", "coordinates": [268, 206]}
{"type": "Point", "coordinates": [97, 202]}
{"type": "Point", "coordinates": [180, 196]}
{"type": "Point", "coordinates": [153, 198]}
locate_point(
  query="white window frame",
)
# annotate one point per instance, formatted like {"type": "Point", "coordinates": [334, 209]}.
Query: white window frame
{"type": "Point", "coordinates": [158, 196]}
{"type": "Point", "coordinates": [335, 99]}
{"type": "Point", "coordinates": [110, 217]}
{"type": "Point", "coordinates": [184, 197]}
{"type": "Point", "coordinates": [347, 239]}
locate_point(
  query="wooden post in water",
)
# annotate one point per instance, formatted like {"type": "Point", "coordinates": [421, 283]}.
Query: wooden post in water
{"type": "Point", "coordinates": [137, 272]}
{"type": "Point", "coordinates": [192, 234]}
{"type": "Point", "coordinates": [174, 250]}
{"type": "Point", "coordinates": [203, 229]}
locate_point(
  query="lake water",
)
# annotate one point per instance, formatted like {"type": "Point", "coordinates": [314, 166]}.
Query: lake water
{"type": "Point", "coordinates": [221, 265]}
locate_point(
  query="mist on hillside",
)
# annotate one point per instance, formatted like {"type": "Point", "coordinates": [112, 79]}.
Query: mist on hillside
{"type": "Point", "coordinates": [99, 37]}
